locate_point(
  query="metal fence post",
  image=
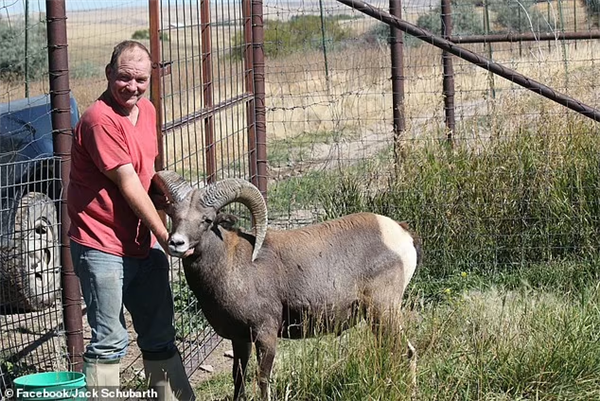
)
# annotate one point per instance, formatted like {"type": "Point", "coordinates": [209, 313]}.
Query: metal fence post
{"type": "Point", "coordinates": [207, 90]}
{"type": "Point", "coordinates": [448, 71]}
{"type": "Point", "coordinates": [397, 55]}
{"type": "Point", "coordinates": [156, 90]}
{"type": "Point", "coordinates": [260, 108]}
{"type": "Point", "coordinates": [249, 86]}
{"type": "Point", "coordinates": [58, 67]}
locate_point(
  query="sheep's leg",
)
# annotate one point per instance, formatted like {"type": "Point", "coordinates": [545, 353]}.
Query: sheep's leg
{"type": "Point", "coordinates": [266, 348]}
{"type": "Point", "coordinates": [241, 356]}
{"type": "Point", "coordinates": [385, 324]}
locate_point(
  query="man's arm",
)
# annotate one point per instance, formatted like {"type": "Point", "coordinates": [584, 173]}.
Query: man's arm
{"type": "Point", "coordinates": [138, 199]}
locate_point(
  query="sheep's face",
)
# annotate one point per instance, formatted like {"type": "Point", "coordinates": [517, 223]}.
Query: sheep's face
{"type": "Point", "coordinates": [190, 221]}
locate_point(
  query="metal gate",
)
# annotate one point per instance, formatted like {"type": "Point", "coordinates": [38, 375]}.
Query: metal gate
{"type": "Point", "coordinates": [208, 89]}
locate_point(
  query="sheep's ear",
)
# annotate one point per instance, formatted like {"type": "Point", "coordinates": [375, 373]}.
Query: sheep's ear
{"type": "Point", "coordinates": [169, 209]}
{"type": "Point", "coordinates": [227, 221]}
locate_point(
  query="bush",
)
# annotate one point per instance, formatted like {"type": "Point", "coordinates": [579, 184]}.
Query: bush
{"type": "Point", "coordinates": [300, 33]}
{"type": "Point", "coordinates": [465, 20]}
{"type": "Point", "coordinates": [144, 34]}
{"type": "Point", "coordinates": [12, 50]}
{"type": "Point", "coordinates": [592, 9]}
{"type": "Point", "coordinates": [141, 34]}
{"type": "Point", "coordinates": [511, 15]}
{"type": "Point", "coordinates": [519, 16]}
{"type": "Point", "coordinates": [380, 34]}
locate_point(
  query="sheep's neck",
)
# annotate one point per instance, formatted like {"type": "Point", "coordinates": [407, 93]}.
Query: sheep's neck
{"type": "Point", "coordinates": [219, 266]}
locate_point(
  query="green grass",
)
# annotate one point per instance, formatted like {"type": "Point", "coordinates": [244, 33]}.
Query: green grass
{"type": "Point", "coordinates": [492, 207]}
{"type": "Point", "coordinates": [298, 192]}
{"type": "Point", "coordinates": [308, 191]}
{"type": "Point", "coordinates": [505, 305]}
{"type": "Point", "coordinates": [494, 344]}
{"type": "Point", "coordinates": [512, 345]}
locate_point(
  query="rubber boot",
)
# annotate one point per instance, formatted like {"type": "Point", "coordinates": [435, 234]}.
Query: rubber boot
{"type": "Point", "coordinates": [169, 379]}
{"type": "Point", "coordinates": [101, 374]}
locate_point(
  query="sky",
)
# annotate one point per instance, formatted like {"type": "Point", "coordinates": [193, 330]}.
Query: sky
{"type": "Point", "coordinates": [14, 7]}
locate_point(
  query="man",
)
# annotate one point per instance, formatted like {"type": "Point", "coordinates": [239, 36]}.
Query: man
{"type": "Point", "coordinates": [117, 234]}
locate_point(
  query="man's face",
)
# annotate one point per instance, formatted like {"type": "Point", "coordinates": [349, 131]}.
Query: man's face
{"type": "Point", "coordinates": [128, 82]}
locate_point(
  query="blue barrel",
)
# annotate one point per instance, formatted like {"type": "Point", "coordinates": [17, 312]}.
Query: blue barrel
{"type": "Point", "coordinates": [50, 386]}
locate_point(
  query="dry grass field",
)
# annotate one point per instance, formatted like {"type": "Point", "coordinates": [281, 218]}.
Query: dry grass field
{"type": "Point", "coordinates": [354, 100]}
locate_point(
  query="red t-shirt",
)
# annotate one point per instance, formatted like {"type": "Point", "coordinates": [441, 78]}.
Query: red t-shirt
{"type": "Point", "coordinates": [104, 140]}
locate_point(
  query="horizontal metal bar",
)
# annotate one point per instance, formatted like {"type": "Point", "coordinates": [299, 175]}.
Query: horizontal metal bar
{"type": "Point", "coordinates": [525, 37]}
{"type": "Point", "coordinates": [204, 113]}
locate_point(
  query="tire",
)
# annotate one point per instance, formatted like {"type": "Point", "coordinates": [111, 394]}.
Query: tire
{"type": "Point", "coordinates": [31, 267]}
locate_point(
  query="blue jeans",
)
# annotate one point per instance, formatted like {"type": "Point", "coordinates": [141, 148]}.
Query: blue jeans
{"type": "Point", "coordinates": [108, 283]}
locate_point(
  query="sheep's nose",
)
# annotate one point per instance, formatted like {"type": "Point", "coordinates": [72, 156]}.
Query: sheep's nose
{"type": "Point", "coordinates": [176, 242]}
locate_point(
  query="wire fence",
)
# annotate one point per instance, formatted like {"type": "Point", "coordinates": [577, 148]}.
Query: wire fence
{"type": "Point", "coordinates": [31, 324]}
{"type": "Point", "coordinates": [205, 100]}
{"type": "Point", "coordinates": [330, 128]}
{"type": "Point", "coordinates": [330, 100]}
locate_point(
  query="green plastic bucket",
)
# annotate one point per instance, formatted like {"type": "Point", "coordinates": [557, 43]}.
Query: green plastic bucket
{"type": "Point", "coordinates": [50, 386]}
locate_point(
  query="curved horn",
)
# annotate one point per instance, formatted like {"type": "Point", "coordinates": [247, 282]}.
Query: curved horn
{"type": "Point", "coordinates": [172, 185]}
{"type": "Point", "coordinates": [222, 193]}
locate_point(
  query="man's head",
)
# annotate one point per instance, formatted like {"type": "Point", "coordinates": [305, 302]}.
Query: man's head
{"type": "Point", "coordinates": [128, 73]}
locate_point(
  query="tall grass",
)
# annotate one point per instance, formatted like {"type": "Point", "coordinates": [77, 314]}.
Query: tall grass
{"type": "Point", "coordinates": [520, 345]}
{"type": "Point", "coordinates": [495, 205]}
{"type": "Point", "coordinates": [481, 345]}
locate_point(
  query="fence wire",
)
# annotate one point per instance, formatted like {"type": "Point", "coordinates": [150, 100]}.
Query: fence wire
{"type": "Point", "coordinates": [329, 96]}
{"type": "Point", "coordinates": [31, 324]}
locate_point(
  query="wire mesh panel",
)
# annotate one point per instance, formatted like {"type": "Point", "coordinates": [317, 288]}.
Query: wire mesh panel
{"type": "Point", "coordinates": [205, 99]}
{"type": "Point", "coordinates": [93, 30]}
{"type": "Point", "coordinates": [31, 323]}
{"type": "Point", "coordinates": [205, 92]}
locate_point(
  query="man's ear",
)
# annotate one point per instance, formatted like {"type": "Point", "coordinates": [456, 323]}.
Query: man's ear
{"type": "Point", "coordinates": [225, 220]}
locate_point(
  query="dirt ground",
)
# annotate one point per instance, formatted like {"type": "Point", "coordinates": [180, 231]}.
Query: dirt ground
{"type": "Point", "coordinates": [218, 361]}
{"type": "Point", "coordinates": [132, 369]}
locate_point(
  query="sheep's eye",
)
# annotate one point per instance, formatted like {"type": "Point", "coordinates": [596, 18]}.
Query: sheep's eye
{"type": "Point", "coordinates": [208, 221]}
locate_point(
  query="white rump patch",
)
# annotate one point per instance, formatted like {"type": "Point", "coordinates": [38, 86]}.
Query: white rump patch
{"type": "Point", "coordinates": [398, 240]}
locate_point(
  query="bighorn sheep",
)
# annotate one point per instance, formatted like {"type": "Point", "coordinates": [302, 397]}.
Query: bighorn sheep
{"type": "Point", "coordinates": [256, 288]}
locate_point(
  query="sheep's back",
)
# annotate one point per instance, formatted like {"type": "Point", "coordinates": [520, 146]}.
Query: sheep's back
{"type": "Point", "coordinates": [335, 261]}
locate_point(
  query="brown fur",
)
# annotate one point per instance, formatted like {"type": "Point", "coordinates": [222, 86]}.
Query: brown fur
{"type": "Point", "coordinates": [307, 281]}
